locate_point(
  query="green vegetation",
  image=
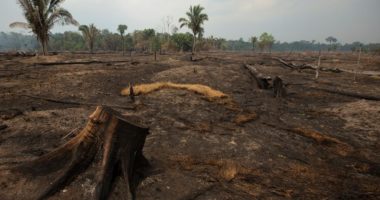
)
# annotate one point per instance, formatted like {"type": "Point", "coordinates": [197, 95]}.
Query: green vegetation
{"type": "Point", "coordinates": [266, 42]}
{"type": "Point", "coordinates": [109, 41]}
{"type": "Point", "coordinates": [194, 21]}
{"type": "Point", "coordinates": [333, 43]}
{"type": "Point", "coordinates": [148, 40]}
{"type": "Point", "coordinates": [41, 16]}
{"type": "Point", "coordinates": [89, 34]}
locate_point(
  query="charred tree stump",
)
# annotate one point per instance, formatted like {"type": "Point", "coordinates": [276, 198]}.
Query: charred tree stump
{"type": "Point", "coordinates": [278, 88]}
{"type": "Point", "coordinates": [109, 140]}
{"type": "Point", "coordinates": [131, 93]}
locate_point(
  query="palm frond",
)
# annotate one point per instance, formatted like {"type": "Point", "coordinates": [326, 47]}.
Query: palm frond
{"type": "Point", "coordinates": [62, 16]}
{"type": "Point", "coordinates": [19, 25]}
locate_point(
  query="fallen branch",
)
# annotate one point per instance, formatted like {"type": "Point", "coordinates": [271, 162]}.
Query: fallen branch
{"type": "Point", "coordinates": [80, 62]}
{"type": "Point", "coordinates": [307, 66]}
{"type": "Point", "coordinates": [348, 93]}
{"type": "Point", "coordinates": [76, 103]}
{"type": "Point", "coordinates": [308, 133]}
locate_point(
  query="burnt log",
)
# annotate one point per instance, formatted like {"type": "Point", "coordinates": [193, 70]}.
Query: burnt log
{"type": "Point", "coordinates": [301, 67]}
{"type": "Point", "coordinates": [75, 102]}
{"type": "Point", "coordinates": [348, 93]}
{"type": "Point", "coordinates": [108, 141]}
{"type": "Point", "coordinates": [81, 62]}
{"type": "Point", "coordinates": [261, 80]}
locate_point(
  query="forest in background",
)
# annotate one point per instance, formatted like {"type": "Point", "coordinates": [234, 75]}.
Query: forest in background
{"type": "Point", "coordinates": [150, 40]}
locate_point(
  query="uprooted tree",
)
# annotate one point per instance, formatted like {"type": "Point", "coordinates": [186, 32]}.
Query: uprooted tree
{"type": "Point", "coordinates": [109, 141]}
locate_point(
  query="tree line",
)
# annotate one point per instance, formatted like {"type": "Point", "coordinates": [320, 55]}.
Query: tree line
{"type": "Point", "coordinates": [149, 40]}
{"type": "Point", "coordinates": [42, 15]}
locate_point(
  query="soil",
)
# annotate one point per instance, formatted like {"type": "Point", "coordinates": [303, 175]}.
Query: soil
{"type": "Point", "coordinates": [196, 147]}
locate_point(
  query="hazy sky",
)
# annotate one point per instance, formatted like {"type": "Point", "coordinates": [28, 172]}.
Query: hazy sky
{"type": "Point", "coordinates": [287, 20]}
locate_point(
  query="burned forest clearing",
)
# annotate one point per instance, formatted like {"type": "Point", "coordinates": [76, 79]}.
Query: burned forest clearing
{"type": "Point", "coordinates": [218, 129]}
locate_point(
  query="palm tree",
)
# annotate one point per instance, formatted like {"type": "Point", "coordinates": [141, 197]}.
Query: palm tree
{"type": "Point", "coordinates": [41, 16]}
{"type": "Point", "coordinates": [332, 40]}
{"type": "Point", "coordinates": [122, 28]}
{"type": "Point", "coordinates": [89, 34]}
{"type": "Point", "coordinates": [194, 21]}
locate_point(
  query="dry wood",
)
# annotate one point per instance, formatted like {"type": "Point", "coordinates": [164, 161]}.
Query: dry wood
{"type": "Point", "coordinates": [131, 93]}
{"type": "Point", "coordinates": [261, 80]}
{"type": "Point", "coordinates": [76, 103]}
{"type": "Point", "coordinates": [81, 62]}
{"type": "Point", "coordinates": [278, 88]}
{"type": "Point", "coordinates": [307, 66]}
{"type": "Point", "coordinates": [318, 65]}
{"type": "Point", "coordinates": [109, 141]}
{"type": "Point", "coordinates": [348, 93]}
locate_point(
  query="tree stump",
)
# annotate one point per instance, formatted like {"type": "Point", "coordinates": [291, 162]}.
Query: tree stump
{"type": "Point", "coordinates": [109, 141]}
{"type": "Point", "coordinates": [278, 88]}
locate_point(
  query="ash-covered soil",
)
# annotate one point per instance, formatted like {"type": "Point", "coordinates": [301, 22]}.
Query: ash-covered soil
{"type": "Point", "coordinates": [197, 148]}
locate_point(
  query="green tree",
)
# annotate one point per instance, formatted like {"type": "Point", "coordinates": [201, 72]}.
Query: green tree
{"type": "Point", "coordinates": [122, 28]}
{"type": "Point", "coordinates": [89, 34]}
{"type": "Point", "coordinates": [332, 41]}
{"type": "Point", "coordinates": [129, 43]}
{"type": "Point", "coordinates": [266, 41]}
{"type": "Point", "coordinates": [155, 45]}
{"type": "Point", "coordinates": [194, 21]}
{"type": "Point", "coordinates": [182, 41]}
{"type": "Point", "coordinates": [41, 16]}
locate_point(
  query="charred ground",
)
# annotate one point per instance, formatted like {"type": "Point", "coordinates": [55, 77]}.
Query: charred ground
{"type": "Point", "coordinates": [198, 148]}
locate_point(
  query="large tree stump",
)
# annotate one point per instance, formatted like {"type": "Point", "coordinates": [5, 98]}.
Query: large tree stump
{"type": "Point", "coordinates": [278, 88]}
{"type": "Point", "coordinates": [110, 141]}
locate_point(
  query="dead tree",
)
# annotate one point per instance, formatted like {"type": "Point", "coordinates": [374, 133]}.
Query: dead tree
{"type": "Point", "coordinates": [358, 64]}
{"type": "Point", "coordinates": [318, 66]}
{"type": "Point", "coordinates": [278, 88]}
{"type": "Point", "coordinates": [109, 141]}
{"type": "Point", "coordinates": [261, 80]}
{"type": "Point", "coordinates": [301, 67]}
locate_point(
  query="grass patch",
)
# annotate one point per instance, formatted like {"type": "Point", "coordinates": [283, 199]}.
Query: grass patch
{"type": "Point", "coordinates": [196, 88]}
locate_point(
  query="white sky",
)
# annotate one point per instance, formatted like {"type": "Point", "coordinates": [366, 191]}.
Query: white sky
{"type": "Point", "coordinates": [287, 20]}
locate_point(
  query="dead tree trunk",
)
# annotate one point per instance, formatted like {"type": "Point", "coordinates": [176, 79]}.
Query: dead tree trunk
{"type": "Point", "coordinates": [278, 88]}
{"type": "Point", "coordinates": [357, 64]}
{"type": "Point", "coordinates": [318, 66]}
{"type": "Point", "coordinates": [109, 140]}
{"type": "Point", "coordinates": [261, 80]}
